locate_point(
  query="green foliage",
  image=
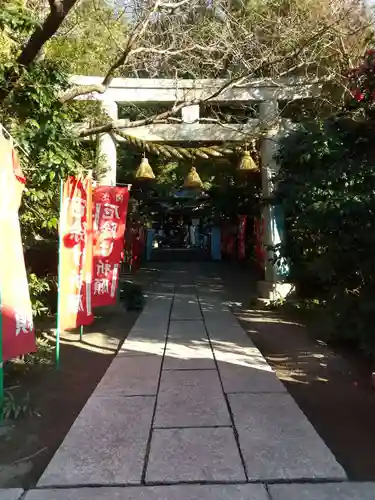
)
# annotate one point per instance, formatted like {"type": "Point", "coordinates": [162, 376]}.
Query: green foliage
{"type": "Point", "coordinates": [326, 186]}
{"type": "Point", "coordinates": [48, 148]}
{"type": "Point", "coordinates": [131, 295]}
{"type": "Point", "coordinates": [90, 37]}
{"type": "Point", "coordinates": [16, 24]}
{"type": "Point", "coordinates": [16, 406]}
{"type": "Point", "coordinates": [45, 355]}
{"type": "Point", "coordinates": [39, 288]}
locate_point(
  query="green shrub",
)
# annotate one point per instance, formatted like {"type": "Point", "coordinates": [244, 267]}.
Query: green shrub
{"type": "Point", "coordinates": [327, 189]}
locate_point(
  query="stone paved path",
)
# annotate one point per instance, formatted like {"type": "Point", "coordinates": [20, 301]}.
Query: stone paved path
{"type": "Point", "coordinates": [189, 410]}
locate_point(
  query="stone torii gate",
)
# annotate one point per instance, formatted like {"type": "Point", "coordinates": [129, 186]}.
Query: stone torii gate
{"type": "Point", "coordinates": [267, 94]}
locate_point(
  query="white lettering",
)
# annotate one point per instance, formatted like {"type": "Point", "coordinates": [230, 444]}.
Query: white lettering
{"type": "Point", "coordinates": [110, 211]}
{"type": "Point", "coordinates": [23, 324]}
{"type": "Point", "coordinates": [75, 303]}
{"type": "Point", "coordinates": [101, 286]}
{"type": "Point", "coordinates": [109, 229]}
{"type": "Point", "coordinates": [103, 268]}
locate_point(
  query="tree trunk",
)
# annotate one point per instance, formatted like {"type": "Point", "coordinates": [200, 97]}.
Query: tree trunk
{"type": "Point", "coordinates": [59, 11]}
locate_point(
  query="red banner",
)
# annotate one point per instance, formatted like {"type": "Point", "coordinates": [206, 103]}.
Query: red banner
{"type": "Point", "coordinates": [75, 270]}
{"type": "Point", "coordinates": [241, 237]}
{"type": "Point", "coordinates": [15, 307]}
{"type": "Point", "coordinates": [110, 206]}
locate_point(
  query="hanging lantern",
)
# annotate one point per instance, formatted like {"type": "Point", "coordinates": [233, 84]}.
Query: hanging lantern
{"type": "Point", "coordinates": [247, 163]}
{"type": "Point", "coordinates": [192, 180]}
{"type": "Point", "coordinates": [144, 171]}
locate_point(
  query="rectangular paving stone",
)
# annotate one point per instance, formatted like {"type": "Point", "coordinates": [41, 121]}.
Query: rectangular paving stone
{"type": "Point", "coordinates": [331, 491]}
{"type": "Point", "coordinates": [148, 336]}
{"type": "Point", "coordinates": [251, 378]}
{"type": "Point", "coordinates": [191, 399]}
{"type": "Point", "coordinates": [155, 312]}
{"type": "Point", "coordinates": [106, 444]}
{"type": "Point", "coordinates": [188, 347]}
{"type": "Point", "coordinates": [244, 369]}
{"type": "Point", "coordinates": [277, 440]}
{"type": "Point", "coordinates": [185, 289]}
{"type": "Point", "coordinates": [225, 332]}
{"type": "Point", "coordinates": [191, 455]}
{"type": "Point", "coordinates": [131, 376]}
{"type": "Point", "coordinates": [185, 307]}
{"type": "Point", "coordinates": [187, 330]}
{"type": "Point", "coordinates": [10, 494]}
{"type": "Point", "coordinates": [224, 326]}
{"type": "Point", "coordinates": [188, 355]}
{"type": "Point", "coordinates": [215, 309]}
{"type": "Point", "coordinates": [142, 346]}
{"type": "Point", "coordinates": [151, 324]}
{"type": "Point", "coordinates": [171, 492]}
{"type": "Point", "coordinates": [159, 298]}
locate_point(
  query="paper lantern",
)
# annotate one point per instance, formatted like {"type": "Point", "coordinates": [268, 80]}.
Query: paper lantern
{"type": "Point", "coordinates": [144, 171]}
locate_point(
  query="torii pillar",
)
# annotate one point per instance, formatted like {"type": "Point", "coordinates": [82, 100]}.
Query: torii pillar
{"type": "Point", "coordinates": [107, 151]}
{"type": "Point", "coordinates": [274, 285]}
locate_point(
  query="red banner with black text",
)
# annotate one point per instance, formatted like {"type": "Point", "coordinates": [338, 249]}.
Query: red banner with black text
{"type": "Point", "coordinates": [17, 330]}
{"type": "Point", "coordinates": [75, 268]}
{"type": "Point", "coordinates": [110, 208]}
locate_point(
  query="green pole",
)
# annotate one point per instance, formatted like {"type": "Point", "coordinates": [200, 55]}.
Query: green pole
{"type": "Point", "coordinates": [59, 279]}
{"type": "Point", "coordinates": [81, 333]}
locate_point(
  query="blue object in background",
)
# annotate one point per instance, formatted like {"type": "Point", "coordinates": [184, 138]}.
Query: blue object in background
{"type": "Point", "coordinates": [216, 243]}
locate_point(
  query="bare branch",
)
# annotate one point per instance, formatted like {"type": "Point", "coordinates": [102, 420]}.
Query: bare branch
{"type": "Point", "coordinates": [162, 117]}
{"type": "Point", "coordinates": [132, 39]}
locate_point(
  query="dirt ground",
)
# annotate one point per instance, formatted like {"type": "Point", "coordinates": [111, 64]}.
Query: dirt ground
{"type": "Point", "coordinates": [332, 386]}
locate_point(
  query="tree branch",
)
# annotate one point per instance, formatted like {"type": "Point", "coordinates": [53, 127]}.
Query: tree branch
{"type": "Point", "coordinates": [58, 13]}
{"type": "Point", "coordinates": [59, 9]}
{"type": "Point", "coordinates": [132, 39]}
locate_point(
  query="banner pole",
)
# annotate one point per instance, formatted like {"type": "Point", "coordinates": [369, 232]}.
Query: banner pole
{"type": "Point", "coordinates": [81, 333]}
{"type": "Point", "coordinates": [58, 331]}
{"type": "Point", "coordinates": [1, 344]}
{"type": "Point", "coordinates": [1, 366]}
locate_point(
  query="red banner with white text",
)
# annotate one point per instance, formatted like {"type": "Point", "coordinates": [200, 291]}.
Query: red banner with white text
{"type": "Point", "coordinates": [110, 208]}
{"type": "Point", "coordinates": [75, 269]}
{"type": "Point", "coordinates": [18, 336]}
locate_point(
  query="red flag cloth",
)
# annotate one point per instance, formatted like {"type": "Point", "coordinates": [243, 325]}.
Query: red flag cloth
{"type": "Point", "coordinates": [110, 208]}
{"type": "Point", "coordinates": [18, 336]}
{"type": "Point", "coordinates": [241, 237]}
{"type": "Point", "coordinates": [75, 269]}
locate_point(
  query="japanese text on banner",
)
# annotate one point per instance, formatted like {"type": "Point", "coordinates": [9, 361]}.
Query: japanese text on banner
{"type": "Point", "coordinates": [110, 211]}
{"type": "Point", "coordinates": [76, 254]}
{"type": "Point", "coordinates": [16, 314]}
